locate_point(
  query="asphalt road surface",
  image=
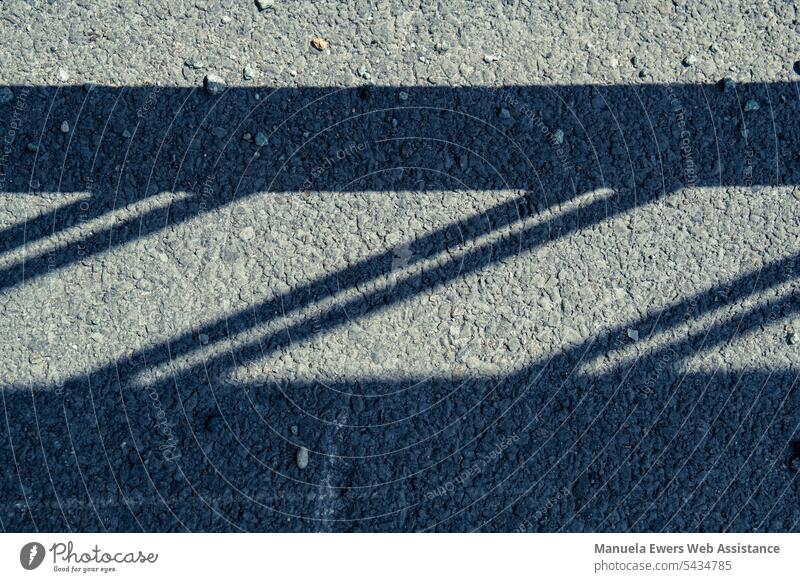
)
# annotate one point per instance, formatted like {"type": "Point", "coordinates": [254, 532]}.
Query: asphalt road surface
{"type": "Point", "coordinates": [419, 266]}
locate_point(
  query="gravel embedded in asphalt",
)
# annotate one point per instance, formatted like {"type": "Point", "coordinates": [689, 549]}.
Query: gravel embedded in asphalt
{"type": "Point", "coordinates": [518, 248]}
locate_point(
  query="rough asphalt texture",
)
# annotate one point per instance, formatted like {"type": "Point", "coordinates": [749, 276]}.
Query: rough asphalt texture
{"type": "Point", "coordinates": [505, 267]}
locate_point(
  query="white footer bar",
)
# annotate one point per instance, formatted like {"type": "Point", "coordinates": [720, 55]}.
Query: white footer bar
{"type": "Point", "coordinates": [388, 557]}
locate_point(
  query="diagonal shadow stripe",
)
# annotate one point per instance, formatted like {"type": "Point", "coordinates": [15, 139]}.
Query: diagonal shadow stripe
{"type": "Point", "coordinates": [553, 144]}
{"type": "Point", "coordinates": [518, 383]}
{"type": "Point", "coordinates": [557, 143]}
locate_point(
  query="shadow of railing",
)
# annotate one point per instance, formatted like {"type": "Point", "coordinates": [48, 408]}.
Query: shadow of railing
{"type": "Point", "coordinates": [216, 459]}
{"type": "Point", "coordinates": [554, 143]}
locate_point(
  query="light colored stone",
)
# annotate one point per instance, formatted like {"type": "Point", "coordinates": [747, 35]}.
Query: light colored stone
{"type": "Point", "coordinates": [302, 458]}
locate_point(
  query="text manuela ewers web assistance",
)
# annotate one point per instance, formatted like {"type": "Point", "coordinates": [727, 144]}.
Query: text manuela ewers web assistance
{"type": "Point", "coordinates": [706, 548]}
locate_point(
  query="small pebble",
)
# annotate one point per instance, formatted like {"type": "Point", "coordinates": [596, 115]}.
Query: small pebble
{"type": "Point", "coordinates": [727, 84]}
{"type": "Point", "coordinates": [558, 136]}
{"type": "Point", "coordinates": [294, 429]}
{"type": "Point", "coordinates": [441, 47]}
{"type": "Point", "coordinates": [403, 96]}
{"type": "Point", "coordinates": [302, 457]}
{"type": "Point", "coordinates": [265, 4]}
{"type": "Point", "coordinates": [611, 63]}
{"type": "Point", "coordinates": [247, 136]}
{"type": "Point", "coordinates": [248, 73]}
{"type": "Point", "coordinates": [247, 233]}
{"type": "Point", "coordinates": [793, 338]}
{"type": "Point", "coordinates": [126, 134]}
{"type": "Point", "coordinates": [319, 43]}
{"type": "Point", "coordinates": [63, 75]}
{"type": "Point", "coordinates": [490, 58]}
{"type": "Point", "coordinates": [6, 95]}
{"type": "Point", "coordinates": [203, 337]}
{"type": "Point", "coordinates": [752, 105]}
{"type": "Point", "coordinates": [65, 127]}
{"type": "Point", "coordinates": [214, 84]}
{"type": "Point", "coordinates": [261, 139]}
{"type": "Point", "coordinates": [32, 147]}
{"type": "Point", "coordinates": [633, 334]}
{"type": "Point", "coordinates": [689, 60]}
{"type": "Point", "coordinates": [472, 362]}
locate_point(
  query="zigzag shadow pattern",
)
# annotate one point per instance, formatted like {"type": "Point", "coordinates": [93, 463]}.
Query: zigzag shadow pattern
{"type": "Point", "coordinates": [123, 145]}
{"type": "Point", "coordinates": [548, 447]}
